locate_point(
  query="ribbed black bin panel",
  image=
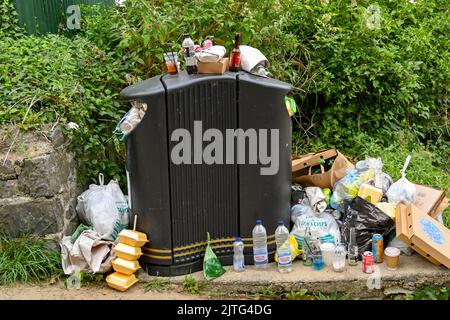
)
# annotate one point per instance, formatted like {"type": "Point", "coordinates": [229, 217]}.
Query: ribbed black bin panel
{"type": "Point", "coordinates": [204, 198]}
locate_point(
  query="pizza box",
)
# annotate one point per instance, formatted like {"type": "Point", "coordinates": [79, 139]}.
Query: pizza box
{"type": "Point", "coordinates": [429, 235]}
{"type": "Point", "coordinates": [403, 232]}
{"type": "Point", "coordinates": [428, 199]}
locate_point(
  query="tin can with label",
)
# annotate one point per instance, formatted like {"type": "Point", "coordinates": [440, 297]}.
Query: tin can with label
{"type": "Point", "coordinates": [377, 248]}
{"type": "Point", "coordinates": [367, 263]}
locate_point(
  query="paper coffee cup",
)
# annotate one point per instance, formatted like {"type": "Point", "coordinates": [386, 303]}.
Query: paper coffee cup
{"type": "Point", "coordinates": [392, 255]}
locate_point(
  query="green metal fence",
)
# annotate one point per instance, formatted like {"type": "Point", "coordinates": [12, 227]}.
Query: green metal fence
{"type": "Point", "coordinates": [49, 16]}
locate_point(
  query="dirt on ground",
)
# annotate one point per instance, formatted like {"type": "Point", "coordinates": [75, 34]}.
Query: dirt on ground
{"type": "Point", "coordinates": [58, 291]}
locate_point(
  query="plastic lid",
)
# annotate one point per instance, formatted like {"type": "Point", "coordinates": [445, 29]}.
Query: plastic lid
{"type": "Point", "coordinates": [258, 221]}
{"type": "Point", "coordinates": [392, 251]}
{"type": "Point", "coordinates": [238, 239]}
{"type": "Point", "coordinates": [281, 223]}
{"type": "Point", "coordinates": [186, 35]}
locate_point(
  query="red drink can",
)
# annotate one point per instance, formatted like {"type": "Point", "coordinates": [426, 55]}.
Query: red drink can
{"type": "Point", "coordinates": [377, 248]}
{"type": "Point", "coordinates": [367, 262]}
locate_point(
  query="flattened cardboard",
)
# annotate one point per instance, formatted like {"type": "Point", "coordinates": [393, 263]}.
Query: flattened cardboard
{"type": "Point", "coordinates": [402, 231]}
{"type": "Point", "coordinates": [428, 199]}
{"type": "Point", "coordinates": [429, 235]}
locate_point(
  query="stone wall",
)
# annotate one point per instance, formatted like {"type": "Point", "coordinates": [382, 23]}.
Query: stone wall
{"type": "Point", "coordinates": [37, 183]}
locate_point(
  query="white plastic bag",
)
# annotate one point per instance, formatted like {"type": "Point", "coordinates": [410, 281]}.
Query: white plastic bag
{"type": "Point", "coordinates": [316, 199]}
{"type": "Point", "coordinates": [321, 225]}
{"type": "Point", "coordinates": [402, 190]}
{"type": "Point", "coordinates": [105, 208]}
{"type": "Point", "coordinates": [212, 54]}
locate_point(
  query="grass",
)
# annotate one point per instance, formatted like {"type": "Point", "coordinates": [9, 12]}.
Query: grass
{"type": "Point", "coordinates": [27, 259]}
{"type": "Point", "coordinates": [302, 294]}
{"type": "Point", "coordinates": [429, 294]}
{"type": "Point", "coordinates": [156, 284]}
{"type": "Point", "coordinates": [192, 286]}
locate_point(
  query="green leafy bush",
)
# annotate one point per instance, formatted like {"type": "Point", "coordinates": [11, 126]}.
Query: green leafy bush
{"type": "Point", "coordinates": [370, 77]}
{"type": "Point", "coordinates": [63, 80]}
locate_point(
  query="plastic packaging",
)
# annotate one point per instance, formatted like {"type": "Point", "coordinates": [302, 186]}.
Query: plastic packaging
{"type": "Point", "coordinates": [299, 210]}
{"type": "Point", "coordinates": [238, 255]}
{"type": "Point", "coordinates": [402, 191]}
{"type": "Point", "coordinates": [347, 188]}
{"type": "Point", "coordinates": [295, 250]}
{"type": "Point", "coordinates": [316, 199]}
{"type": "Point", "coordinates": [367, 220]}
{"type": "Point", "coordinates": [212, 268]}
{"type": "Point", "coordinates": [211, 54]}
{"type": "Point", "coordinates": [339, 258]}
{"type": "Point", "coordinates": [105, 208]}
{"type": "Point", "coordinates": [283, 248]}
{"type": "Point", "coordinates": [327, 250]}
{"type": "Point", "coordinates": [260, 254]}
{"type": "Point", "coordinates": [131, 119]}
{"type": "Point", "coordinates": [320, 225]}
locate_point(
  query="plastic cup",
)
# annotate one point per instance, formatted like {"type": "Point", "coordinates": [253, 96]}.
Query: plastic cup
{"type": "Point", "coordinates": [172, 62]}
{"type": "Point", "coordinates": [327, 250]}
{"type": "Point", "coordinates": [392, 255]}
{"type": "Point", "coordinates": [317, 261]}
{"type": "Point", "coordinates": [339, 258]}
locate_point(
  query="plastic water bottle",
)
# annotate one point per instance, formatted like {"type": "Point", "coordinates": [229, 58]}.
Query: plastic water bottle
{"type": "Point", "coordinates": [238, 256]}
{"type": "Point", "coordinates": [283, 248]}
{"type": "Point", "coordinates": [259, 236]}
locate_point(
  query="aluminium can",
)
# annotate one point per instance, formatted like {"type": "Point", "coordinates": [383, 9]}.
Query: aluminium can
{"type": "Point", "coordinates": [377, 248]}
{"type": "Point", "coordinates": [367, 262]}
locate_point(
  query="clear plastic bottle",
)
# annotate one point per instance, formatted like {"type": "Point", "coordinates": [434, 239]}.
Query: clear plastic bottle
{"type": "Point", "coordinates": [189, 54]}
{"type": "Point", "coordinates": [260, 255]}
{"type": "Point", "coordinates": [352, 248]}
{"type": "Point", "coordinates": [238, 256]}
{"type": "Point", "coordinates": [283, 248]}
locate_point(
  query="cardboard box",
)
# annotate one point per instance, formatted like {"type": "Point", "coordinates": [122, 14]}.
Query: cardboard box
{"type": "Point", "coordinates": [428, 199]}
{"type": "Point", "coordinates": [213, 67]}
{"type": "Point", "coordinates": [404, 234]}
{"type": "Point", "coordinates": [424, 234]}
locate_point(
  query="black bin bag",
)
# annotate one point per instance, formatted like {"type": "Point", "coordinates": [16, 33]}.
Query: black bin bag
{"type": "Point", "coordinates": [367, 220]}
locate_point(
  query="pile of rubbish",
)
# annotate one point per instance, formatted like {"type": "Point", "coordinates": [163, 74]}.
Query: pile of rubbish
{"type": "Point", "coordinates": [361, 210]}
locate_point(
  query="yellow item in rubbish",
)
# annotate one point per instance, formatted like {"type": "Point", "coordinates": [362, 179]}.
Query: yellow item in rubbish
{"type": "Point", "coordinates": [125, 266]}
{"type": "Point", "coordinates": [295, 251]}
{"type": "Point", "coordinates": [121, 282]}
{"type": "Point", "coordinates": [388, 208]}
{"type": "Point", "coordinates": [132, 238]}
{"type": "Point", "coordinates": [127, 252]}
{"type": "Point", "coordinates": [370, 193]}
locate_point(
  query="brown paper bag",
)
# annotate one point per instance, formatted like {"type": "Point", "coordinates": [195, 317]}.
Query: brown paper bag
{"type": "Point", "coordinates": [302, 167]}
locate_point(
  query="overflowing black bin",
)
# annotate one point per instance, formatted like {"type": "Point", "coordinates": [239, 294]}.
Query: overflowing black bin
{"type": "Point", "coordinates": [178, 203]}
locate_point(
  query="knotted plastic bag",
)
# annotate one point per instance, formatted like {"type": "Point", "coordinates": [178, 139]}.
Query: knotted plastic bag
{"type": "Point", "coordinates": [402, 190]}
{"type": "Point", "coordinates": [212, 268]}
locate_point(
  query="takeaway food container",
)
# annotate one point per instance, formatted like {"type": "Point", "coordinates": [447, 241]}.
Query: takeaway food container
{"type": "Point", "coordinates": [121, 282]}
{"type": "Point", "coordinates": [127, 252]}
{"type": "Point", "coordinates": [127, 267]}
{"type": "Point", "coordinates": [132, 238]}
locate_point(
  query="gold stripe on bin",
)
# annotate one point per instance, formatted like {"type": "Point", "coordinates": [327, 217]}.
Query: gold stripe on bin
{"type": "Point", "coordinates": [157, 257]}
{"type": "Point", "coordinates": [157, 250]}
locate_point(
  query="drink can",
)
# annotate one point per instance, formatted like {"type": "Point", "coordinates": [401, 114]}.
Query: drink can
{"type": "Point", "coordinates": [367, 263]}
{"type": "Point", "coordinates": [377, 248]}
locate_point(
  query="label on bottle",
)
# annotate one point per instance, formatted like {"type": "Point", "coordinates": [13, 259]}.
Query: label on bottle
{"type": "Point", "coordinates": [260, 257]}
{"type": "Point", "coordinates": [284, 259]}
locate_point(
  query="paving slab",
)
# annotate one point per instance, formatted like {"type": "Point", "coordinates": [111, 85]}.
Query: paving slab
{"type": "Point", "coordinates": [413, 272]}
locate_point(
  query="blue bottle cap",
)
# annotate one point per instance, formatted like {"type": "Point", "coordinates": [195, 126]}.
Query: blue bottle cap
{"type": "Point", "coordinates": [281, 223]}
{"type": "Point", "coordinates": [238, 239]}
{"type": "Point", "coordinates": [258, 221]}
